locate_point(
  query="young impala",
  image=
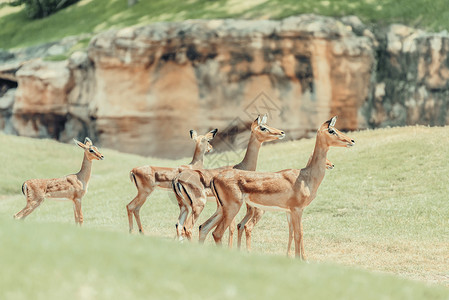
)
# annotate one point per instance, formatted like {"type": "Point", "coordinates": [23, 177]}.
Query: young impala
{"type": "Point", "coordinates": [289, 190]}
{"type": "Point", "coordinates": [192, 186]}
{"type": "Point", "coordinates": [147, 178]}
{"type": "Point", "coordinates": [72, 187]}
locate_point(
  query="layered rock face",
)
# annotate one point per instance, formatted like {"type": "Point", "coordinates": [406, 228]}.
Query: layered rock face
{"type": "Point", "coordinates": [155, 83]}
{"type": "Point", "coordinates": [142, 89]}
{"type": "Point", "coordinates": [412, 79]}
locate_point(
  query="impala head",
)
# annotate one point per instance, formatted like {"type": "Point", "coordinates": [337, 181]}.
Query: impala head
{"type": "Point", "coordinates": [202, 141]}
{"type": "Point", "coordinates": [90, 150]}
{"type": "Point", "coordinates": [333, 136]}
{"type": "Point", "coordinates": [265, 133]}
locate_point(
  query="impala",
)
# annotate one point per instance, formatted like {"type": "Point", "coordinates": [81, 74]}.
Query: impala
{"type": "Point", "coordinates": [193, 186]}
{"type": "Point", "coordinates": [148, 178]}
{"type": "Point", "coordinates": [253, 216]}
{"type": "Point", "coordinates": [289, 190]}
{"type": "Point", "coordinates": [72, 187]}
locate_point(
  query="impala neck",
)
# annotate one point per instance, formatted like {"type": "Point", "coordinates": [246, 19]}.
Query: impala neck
{"type": "Point", "coordinates": [86, 169]}
{"type": "Point", "coordinates": [198, 157]}
{"type": "Point", "coordinates": [249, 162]}
{"type": "Point", "coordinates": [317, 163]}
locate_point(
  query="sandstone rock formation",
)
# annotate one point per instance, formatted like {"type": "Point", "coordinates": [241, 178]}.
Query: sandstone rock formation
{"type": "Point", "coordinates": [141, 89]}
{"type": "Point", "coordinates": [412, 79]}
{"type": "Point", "coordinates": [154, 83]}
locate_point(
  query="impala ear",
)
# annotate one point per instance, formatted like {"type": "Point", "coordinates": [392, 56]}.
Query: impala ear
{"type": "Point", "coordinates": [332, 121]}
{"type": "Point", "coordinates": [79, 144]}
{"type": "Point", "coordinates": [264, 119]}
{"type": "Point", "coordinates": [88, 142]}
{"type": "Point", "coordinates": [193, 134]}
{"type": "Point", "coordinates": [211, 134]}
{"type": "Point", "coordinates": [258, 120]}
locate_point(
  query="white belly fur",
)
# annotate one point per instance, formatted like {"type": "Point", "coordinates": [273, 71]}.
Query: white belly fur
{"type": "Point", "coordinates": [57, 198]}
{"type": "Point", "coordinates": [262, 207]}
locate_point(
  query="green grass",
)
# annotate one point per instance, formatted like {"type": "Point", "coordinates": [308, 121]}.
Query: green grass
{"type": "Point", "coordinates": [89, 16]}
{"type": "Point", "coordinates": [43, 261]}
{"type": "Point", "coordinates": [383, 208]}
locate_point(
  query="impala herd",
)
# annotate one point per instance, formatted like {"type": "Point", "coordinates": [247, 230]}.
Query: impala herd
{"type": "Point", "coordinates": [230, 187]}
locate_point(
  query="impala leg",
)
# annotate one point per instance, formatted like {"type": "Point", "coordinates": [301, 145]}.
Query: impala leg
{"type": "Point", "coordinates": [133, 208]}
{"type": "Point", "coordinates": [196, 211]}
{"type": "Point", "coordinates": [177, 225]}
{"type": "Point", "coordinates": [231, 233]}
{"type": "Point", "coordinates": [228, 215]}
{"type": "Point", "coordinates": [77, 210]}
{"type": "Point", "coordinates": [303, 254]}
{"type": "Point", "coordinates": [29, 207]}
{"type": "Point", "coordinates": [296, 217]}
{"type": "Point", "coordinates": [182, 218]}
{"type": "Point", "coordinates": [186, 231]}
{"type": "Point", "coordinates": [182, 211]}
{"type": "Point", "coordinates": [257, 215]}
{"type": "Point", "coordinates": [290, 234]}
{"type": "Point", "coordinates": [182, 208]}
{"type": "Point", "coordinates": [241, 225]}
{"type": "Point", "coordinates": [207, 226]}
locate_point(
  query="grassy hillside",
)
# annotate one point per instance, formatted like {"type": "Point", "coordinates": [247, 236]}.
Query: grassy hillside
{"type": "Point", "coordinates": [383, 208]}
{"type": "Point", "coordinates": [43, 261]}
{"type": "Point", "coordinates": [90, 16]}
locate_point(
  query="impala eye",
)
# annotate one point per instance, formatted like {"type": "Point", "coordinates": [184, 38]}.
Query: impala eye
{"type": "Point", "coordinates": [331, 131]}
{"type": "Point", "coordinates": [263, 128]}
{"type": "Point", "coordinates": [91, 151]}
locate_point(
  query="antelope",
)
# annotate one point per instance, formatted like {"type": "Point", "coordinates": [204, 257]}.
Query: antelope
{"type": "Point", "coordinates": [253, 216]}
{"type": "Point", "coordinates": [193, 188]}
{"type": "Point", "coordinates": [72, 187]}
{"type": "Point", "coordinates": [148, 178]}
{"type": "Point", "coordinates": [290, 190]}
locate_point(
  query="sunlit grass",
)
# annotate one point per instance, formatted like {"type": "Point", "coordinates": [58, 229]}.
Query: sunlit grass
{"type": "Point", "coordinates": [383, 208]}
{"type": "Point", "coordinates": [93, 16]}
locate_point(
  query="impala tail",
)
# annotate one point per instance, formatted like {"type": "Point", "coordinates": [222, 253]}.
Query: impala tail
{"type": "Point", "coordinates": [214, 191]}
{"type": "Point", "coordinates": [177, 188]}
{"type": "Point", "coordinates": [24, 188]}
{"type": "Point", "coordinates": [182, 192]}
{"type": "Point", "coordinates": [132, 176]}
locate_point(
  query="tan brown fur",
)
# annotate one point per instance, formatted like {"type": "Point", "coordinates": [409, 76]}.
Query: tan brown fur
{"type": "Point", "coordinates": [192, 187]}
{"type": "Point", "coordinates": [288, 190]}
{"type": "Point", "coordinates": [72, 187]}
{"type": "Point", "coordinates": [195, 185]}
{"type": "Point", "coordinates": [254, 215]}
{"type": "Point", "coordinates": [148, 178]}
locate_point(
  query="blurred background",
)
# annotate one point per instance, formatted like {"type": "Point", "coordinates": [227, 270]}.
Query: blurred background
{"type": "Point", "coordinates": [136, 76]}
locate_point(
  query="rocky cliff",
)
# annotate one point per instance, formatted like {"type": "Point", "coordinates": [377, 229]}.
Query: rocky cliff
{"type": "Point", "coordinates": [141, 89]}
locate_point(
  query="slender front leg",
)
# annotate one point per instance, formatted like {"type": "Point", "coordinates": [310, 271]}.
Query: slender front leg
{"type": "Point", "coordinates": [77, 210]}
{"type": "Point", "coordinates": [231, 233]}
{"type": "Point", "coordinates": [290, 234]}
{"type": "Point", "coordinates": [303, 254]}
{"type": "Point", "coordinates": [296, 217]}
